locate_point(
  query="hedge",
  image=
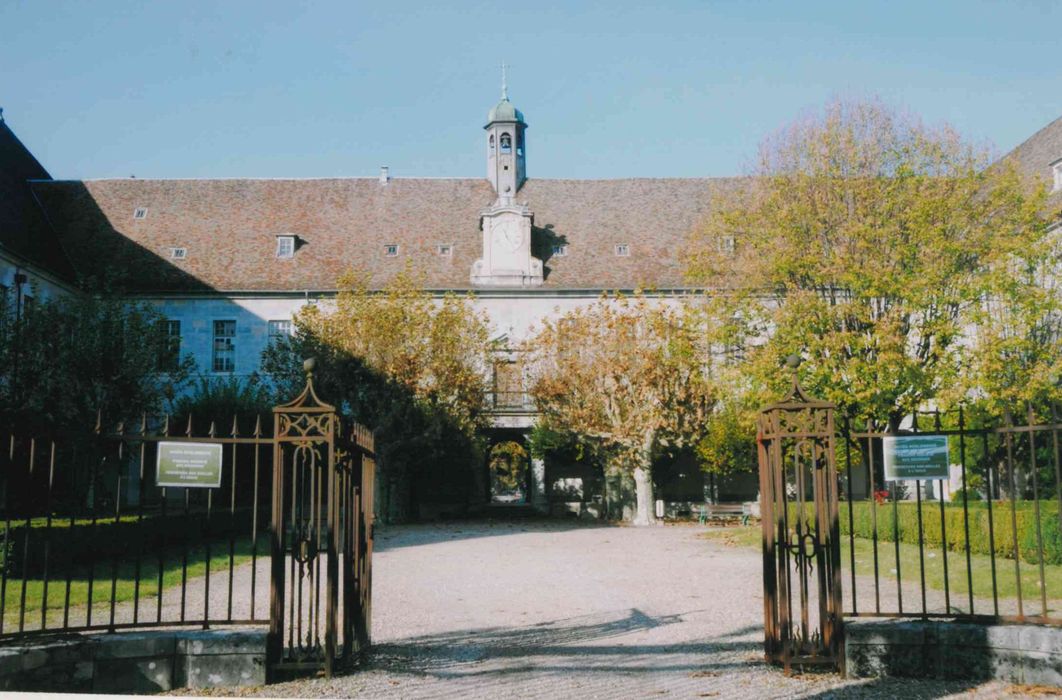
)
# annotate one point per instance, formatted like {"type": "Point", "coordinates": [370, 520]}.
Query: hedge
{"type": "Point", "coordinates": [1002, 530]}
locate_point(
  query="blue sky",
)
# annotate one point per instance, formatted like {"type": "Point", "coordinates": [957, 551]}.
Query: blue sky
{"type": "Point", "coordinates": [610, 89]}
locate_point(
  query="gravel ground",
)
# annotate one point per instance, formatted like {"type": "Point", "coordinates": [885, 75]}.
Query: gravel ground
{"type": "Point", "coordinates": [543, 609]}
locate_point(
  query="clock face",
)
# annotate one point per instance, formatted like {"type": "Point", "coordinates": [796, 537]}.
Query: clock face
{"type": "Point", "coordinates": [509, 235]}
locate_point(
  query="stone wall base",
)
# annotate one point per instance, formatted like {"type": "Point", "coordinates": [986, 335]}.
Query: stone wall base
{"type": "Point", "coordinates": [135, 662]}
{"type": "Point", "coordinates": [1024, 654]}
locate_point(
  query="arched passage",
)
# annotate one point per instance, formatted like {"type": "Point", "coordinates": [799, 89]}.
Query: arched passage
{"type": "Point", "coordinates": [509, 468]}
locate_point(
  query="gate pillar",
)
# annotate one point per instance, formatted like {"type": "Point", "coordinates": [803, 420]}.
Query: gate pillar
{"type": "Point", "coordinates": [801, 537]}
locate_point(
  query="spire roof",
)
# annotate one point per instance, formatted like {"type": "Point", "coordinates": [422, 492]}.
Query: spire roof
{"type": "Point", "coordinates": [504, 111]}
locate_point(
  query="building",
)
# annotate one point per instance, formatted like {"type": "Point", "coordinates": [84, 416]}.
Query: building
{"type": "Point", "coordinates": [229, 262]}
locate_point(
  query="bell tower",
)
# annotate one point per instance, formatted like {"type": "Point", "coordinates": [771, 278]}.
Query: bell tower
{"type": "Point", "coordinates": [506, 147]}
{"type": "Point", "coordinates": [507, 260]}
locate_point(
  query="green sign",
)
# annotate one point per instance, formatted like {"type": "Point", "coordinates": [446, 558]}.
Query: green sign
{"type": "Point", "coordinates": [189, 465]}
{"type": "Point", "coordinates": [915, 457]}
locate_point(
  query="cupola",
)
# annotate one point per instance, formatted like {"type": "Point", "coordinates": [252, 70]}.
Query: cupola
{"type": "Point", "coordinates": [506, 148]}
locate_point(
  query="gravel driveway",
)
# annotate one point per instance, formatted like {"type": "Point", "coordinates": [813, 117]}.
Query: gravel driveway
{"type": "Point", "coordinates": [545, 609]}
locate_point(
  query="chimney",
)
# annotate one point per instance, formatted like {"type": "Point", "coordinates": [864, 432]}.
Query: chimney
{"type": "Point", "coordinates": [385, 174]}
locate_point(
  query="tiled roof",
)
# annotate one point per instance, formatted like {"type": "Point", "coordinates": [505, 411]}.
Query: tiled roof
{"type": "Point", "coordinates": [229, 227]}
{"type": "Point", "coordinates": [1035, 156]}
{"type": "Point", "coordinates": [24, 230]}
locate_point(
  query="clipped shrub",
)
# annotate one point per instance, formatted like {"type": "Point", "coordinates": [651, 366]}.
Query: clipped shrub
{"type": "Point", "coordinates": [985, 534]}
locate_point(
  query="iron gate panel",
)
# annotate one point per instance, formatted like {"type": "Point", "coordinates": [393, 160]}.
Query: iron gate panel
{"type": "Point", "coordinates": [321, 536]}
{"type": "Point", "coordinates": [801, 537]}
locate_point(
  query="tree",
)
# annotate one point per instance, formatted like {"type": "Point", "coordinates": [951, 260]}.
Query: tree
{"type": "Point", "coordinates": [412, 367]}
{"type": "Point", "coordinates": [868, 243]}
{"type": "Point", "coordinates": [71, 358]}
{"type": "Point", "coordinates": [1018, 340]}
{"type": "Point", "coordinates": [626, 377]}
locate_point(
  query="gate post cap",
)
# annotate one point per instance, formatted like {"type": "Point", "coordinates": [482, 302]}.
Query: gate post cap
{"type": "Point", "coordinates": [793, 361]}
{"type": "Point", "coordinates": [308, 365]}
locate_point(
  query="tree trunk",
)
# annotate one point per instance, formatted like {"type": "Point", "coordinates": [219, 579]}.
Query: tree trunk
{"type": "Point", "coordinates": [645, 513]}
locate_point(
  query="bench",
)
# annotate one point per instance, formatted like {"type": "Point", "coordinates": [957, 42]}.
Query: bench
{"type": "Point", "coordinates": [724, 511]}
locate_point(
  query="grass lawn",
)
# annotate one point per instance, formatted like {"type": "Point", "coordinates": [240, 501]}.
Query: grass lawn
{"type": "Point", "coordinates": [125, 586]}
{"type": "Point", "coordinates": [980, 565]}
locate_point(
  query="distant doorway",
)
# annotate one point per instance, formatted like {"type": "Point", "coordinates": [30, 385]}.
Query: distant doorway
{"type": "Point", "coordinates": [509, 469]}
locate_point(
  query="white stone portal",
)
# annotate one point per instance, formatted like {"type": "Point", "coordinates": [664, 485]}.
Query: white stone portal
{"type": "Point", "coordinates": [507, 259]}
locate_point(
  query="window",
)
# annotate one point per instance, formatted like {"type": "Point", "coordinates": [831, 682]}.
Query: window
{"type": "Point", "coordinates": [725, 245]}
{"type": "Point", "coordinates": [285, 246]}
{"type": "Point", "coordinates": [140, 213]}
{"type": "Point", "coordinates": [519, 143]}
{"type": "Point", "coordinates": [391, 250]}
{"type": "Point", "coordinates": [446, 250]}
{"type": "Point", "coordinates": [623, 250]}
{"type": "Point", "coordinates": [508, 385]}
{"type": "Point", "coordinates": [224, 346]}
{"type": "Point", "coordinates": [560, 250]}
{"type": "Point", "coordinates": [1056, 171]}
{"type": "Point", "coordinates": [178, 253]}
{"type": "Point", "coordinates": [490, 143]}
{"type": "Point", "coordinates": [170, 356]}
{"type": "Point", "coordinates": [506, 143]}
{"type": "Point", "coordinates": [279, 329]}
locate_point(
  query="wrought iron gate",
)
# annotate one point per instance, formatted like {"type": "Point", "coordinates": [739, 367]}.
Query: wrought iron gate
{"type": "Point", "coordinates": [801, 538]}
{"type": "Point", "coordinates": [322, 530]}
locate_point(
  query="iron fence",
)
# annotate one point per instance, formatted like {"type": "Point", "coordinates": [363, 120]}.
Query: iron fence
{"type": "Point", "coordinates": [984, 543]}
{"type": "Point", "coordinates": [90, 542]}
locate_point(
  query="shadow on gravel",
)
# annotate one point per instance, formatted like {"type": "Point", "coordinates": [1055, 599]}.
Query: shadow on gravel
{"type": "Point", "coordinates": [564, 646]}
{"type": "Point", "coordinates": [907, 688]}
{"type": "Point", "coordinates": [389, 537]}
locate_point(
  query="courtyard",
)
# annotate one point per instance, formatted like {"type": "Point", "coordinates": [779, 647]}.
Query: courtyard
{"type": "Point", "coordinates": [549, 609]}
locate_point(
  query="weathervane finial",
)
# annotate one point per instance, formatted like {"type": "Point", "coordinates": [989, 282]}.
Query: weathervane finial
{"type": "Point", "coordinates": [505, 81]}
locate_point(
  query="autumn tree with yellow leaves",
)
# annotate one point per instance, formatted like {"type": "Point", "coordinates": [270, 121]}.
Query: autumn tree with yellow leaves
{"type": "Point", "coordinates": [626, 377]}
{"type": "Point", "coordinates": [412, 366]}
{"type": "Point", "coordinates": [897, 259]}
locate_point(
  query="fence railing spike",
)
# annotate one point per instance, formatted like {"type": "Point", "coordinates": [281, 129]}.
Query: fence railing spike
{"type": "Point", "coordinates": [188, 430]}
{"type": "Point", "coordinates": [166, 425]}
{"type": "Point", "coordinates": [143, 423]}
{"type": "Point", "coordinates": [235, 426]}
{"type": "Point", "coordinates": [212, 432]}
{"type": "Point", "coordinates": [99, 422]}
{"type": "Point", "coordinates": [258, 426]}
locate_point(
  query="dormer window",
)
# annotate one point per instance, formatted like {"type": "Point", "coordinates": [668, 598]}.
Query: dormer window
{"type": "Point", "coordinates": [391, 250]}
{"type": "Point", "coordinates": [1056, 171]}
{"type": "Point", "coordinates": [178, 253]}
{"type": "Point", "coordinates": [445, 250]}
{"type": "Point", "coordinates": [285, 246]}
{"type": "Point", "coordinates": [140, 213]}
{"type": "Point", "coordinates": [725, 245]}
{"type": "Point", "coordinates": [506, 143]}
{"type": "Point", "coordinates": [560, 250]}
{"type": "Point", "coordinates": [623, 250]}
